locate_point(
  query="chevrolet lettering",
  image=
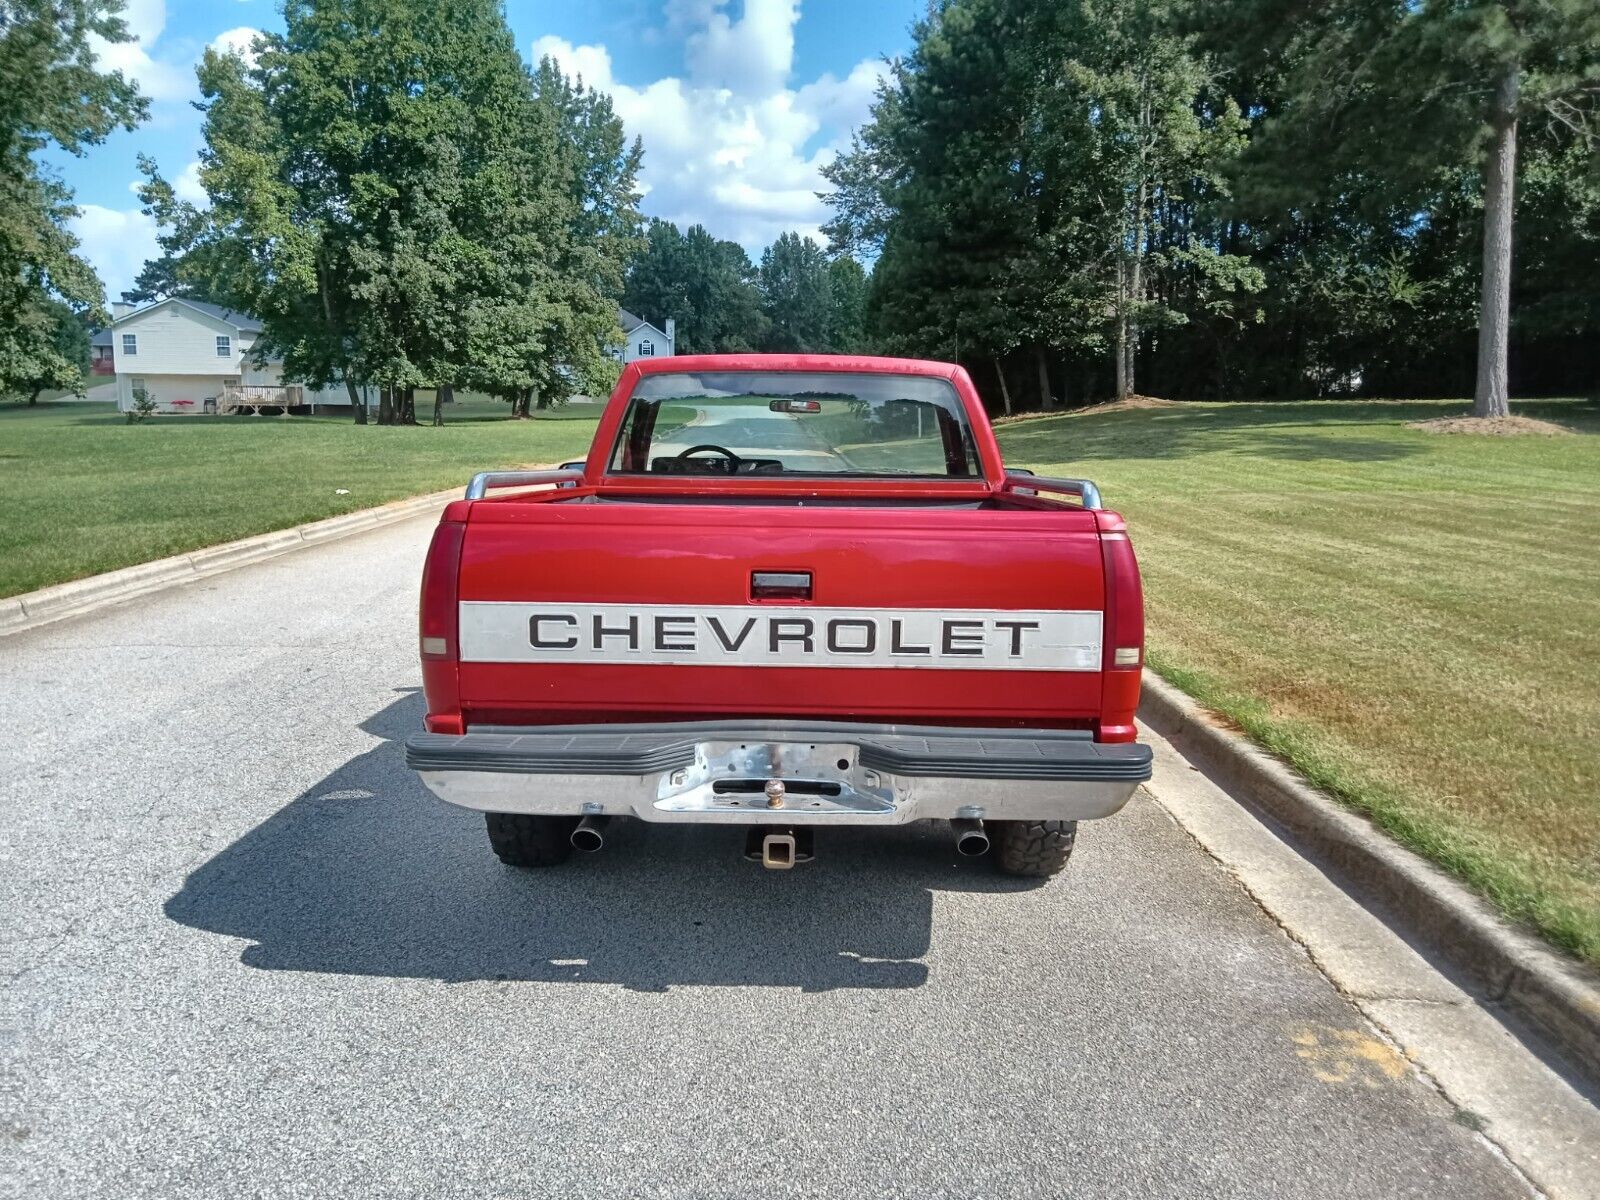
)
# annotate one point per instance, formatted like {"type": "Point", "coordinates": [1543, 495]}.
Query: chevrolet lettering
{"type": "Point", "coordinates": [785, 593]}
{"type": "Point", "coordinates": [774, 636]}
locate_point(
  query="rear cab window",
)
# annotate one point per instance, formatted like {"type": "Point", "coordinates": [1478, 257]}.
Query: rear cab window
{"type": "Point", "coordinates": [784, 423]}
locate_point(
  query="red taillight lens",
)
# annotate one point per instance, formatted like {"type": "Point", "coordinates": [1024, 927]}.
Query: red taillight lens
{"type": "Point", "coordinates": [436, 618]}
{"type": "Point", "coordinates": [436, 625]}
{"type": "Point", "coordinates": [1123, 664]}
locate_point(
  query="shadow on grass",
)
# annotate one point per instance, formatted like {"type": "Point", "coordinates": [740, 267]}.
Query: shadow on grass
{"type": "Point", "coordinates": [368, 874]}
{"type": "Point", "coordinates": [1340, 431]}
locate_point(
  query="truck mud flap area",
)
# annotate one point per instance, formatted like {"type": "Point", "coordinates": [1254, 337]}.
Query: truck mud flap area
{"type": "Point", "coordinates": [782, 772]}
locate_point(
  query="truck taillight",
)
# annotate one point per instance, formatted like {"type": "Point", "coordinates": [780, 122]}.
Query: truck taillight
{"type": "Point", "coordinates": [436, 627]}
{"type": "Point", "coordinates": [1123, 664]}
{"type": "Point", "coordinates": [437, 615]}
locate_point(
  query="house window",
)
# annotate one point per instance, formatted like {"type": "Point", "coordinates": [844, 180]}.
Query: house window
{"type": "Point", "coordinates": [138, 388]}
{"type": "Point", "coordinates": [224, 346]}
{"type": "Point", "coordinates": [647, 349]}
{"type": "Point", "coordinates": [130, 344]}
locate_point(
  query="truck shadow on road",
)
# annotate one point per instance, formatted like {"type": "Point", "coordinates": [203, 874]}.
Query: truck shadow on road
{"type": "Point", "coordinates": [368, 874]}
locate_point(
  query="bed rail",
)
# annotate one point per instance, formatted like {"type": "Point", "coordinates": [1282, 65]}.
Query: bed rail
{"type": "Point", "coordinates": [484, 481]}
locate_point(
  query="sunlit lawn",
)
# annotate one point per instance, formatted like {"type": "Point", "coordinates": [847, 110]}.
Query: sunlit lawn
{"type": "Point", "coordinates": [85, 492]}
{"type": "Point", "coordinates": [1412, 619]}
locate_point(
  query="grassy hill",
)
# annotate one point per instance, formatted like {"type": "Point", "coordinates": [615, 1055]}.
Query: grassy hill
{"type": "Point", "coordinates": [1412, 619]}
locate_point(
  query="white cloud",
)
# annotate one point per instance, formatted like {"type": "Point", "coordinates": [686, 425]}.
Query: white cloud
{"type": "Point", "coordinates": [187, 185]}
{"type": "Point", "coordinates": [160, 80]}
{"type": "Point", "coordinates": [117, 242]}
{"type": "Point", "coordinates": [240, 41]}
{"type": "Point", "coordinates": [750, 56]}
{"type": "Point", "coordinates": [730, 144]}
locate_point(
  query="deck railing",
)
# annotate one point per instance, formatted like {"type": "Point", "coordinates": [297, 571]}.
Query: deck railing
{"type": "Point", "coordinates": [253, 397]}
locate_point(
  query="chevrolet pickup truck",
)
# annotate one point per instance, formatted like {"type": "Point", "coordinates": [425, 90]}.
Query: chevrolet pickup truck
{"type": "Point", "coordinates": [787, 593]}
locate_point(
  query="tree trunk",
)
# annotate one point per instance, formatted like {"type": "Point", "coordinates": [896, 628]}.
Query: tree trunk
{"type": "Point", "coordinates": [408, 406]}
{"type": "Point", "coordinates": [443, 396]}
{"type": "Point", "coordinates": [358, 402]}
{"type": "Point", "coordinates": [386, 405]}
{"type": "Point", "coordinates": [1005, 392]}
{"type": "Point", "coordinates": [1046, 400]}
{"type": "Point", "coordinates": [33, 396]}
{"type": "Point", "coordinates": [1130, 342]}
{"type": "Point", "coordinates": [1492, 398]}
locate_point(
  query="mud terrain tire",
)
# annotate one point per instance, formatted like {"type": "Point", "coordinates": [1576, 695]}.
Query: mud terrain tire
{"type": "Point", "coordinates": [1038, 849]}
{"type": "Point", "coordinates": [520, 840]}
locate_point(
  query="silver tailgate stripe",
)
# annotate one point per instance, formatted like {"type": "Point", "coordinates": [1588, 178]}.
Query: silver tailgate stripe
{"type": "Point", "coordinates": [780, 635]}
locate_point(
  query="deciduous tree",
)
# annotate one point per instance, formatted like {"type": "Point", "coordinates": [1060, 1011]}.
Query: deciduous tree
{"type": "Point", "coordinates": [53, 93]}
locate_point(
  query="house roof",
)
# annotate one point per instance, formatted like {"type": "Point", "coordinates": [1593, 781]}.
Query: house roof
{"type": "Point", "coordinates": [241, 321]}
{"type": "Point", "coordinates": [100, 337]}
{"type": "Point", "coordinates": [631, 324]}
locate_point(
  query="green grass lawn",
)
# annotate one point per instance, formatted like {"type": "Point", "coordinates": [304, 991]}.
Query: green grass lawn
{"type": "Point", "coordinates": [1411, 619]}
{"type": "Point", "coordinates": [85, 492]}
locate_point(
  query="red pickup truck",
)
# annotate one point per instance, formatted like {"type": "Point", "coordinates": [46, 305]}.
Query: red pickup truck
{"type": "Point", "coordinates": [784, 592]}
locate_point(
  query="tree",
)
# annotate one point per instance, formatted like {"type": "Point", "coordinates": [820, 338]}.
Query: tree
{"type": "Point", "coordinates": [1466, 77]}
{"type": "Point", "coordinates": [1135, 99]}
{"type": "Point", "coordinates": [708, 286]}
{"type": "Point", "coordinates": [847, 316]}
{"type": "Point", "coordinates": [49, 349]}
{"type": "Point", "coordinates": [165, 276]}
{"type": "Point", "coordinates": [402, 202]}
{"type": "Point", "coordinates": [54, 94]}
{"type": "Point", "coordinates": [796, 293]}
{"type": "Point", "coordinates": [602, 234]}
{"type": "Point", "coordinates": [1035, 176]}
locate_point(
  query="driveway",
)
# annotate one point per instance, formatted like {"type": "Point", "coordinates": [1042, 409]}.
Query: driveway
{"type": "Point", "coordinates": [248, 955]}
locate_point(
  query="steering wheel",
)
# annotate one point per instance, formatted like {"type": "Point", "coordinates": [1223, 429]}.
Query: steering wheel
{"type": "Point", "coordinates": [733, 459]}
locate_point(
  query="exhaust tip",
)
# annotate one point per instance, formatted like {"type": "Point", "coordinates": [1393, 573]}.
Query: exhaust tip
{"type": "Point", "coordinates": [589, 836]}
{"type": "Point", "coordinates": [971, 838]}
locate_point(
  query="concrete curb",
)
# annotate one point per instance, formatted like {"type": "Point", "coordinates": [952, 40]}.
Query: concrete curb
{"type": "Point", "coordinates": [1558, 996]}
{"type": "Point", "coordinates": [32, 609]}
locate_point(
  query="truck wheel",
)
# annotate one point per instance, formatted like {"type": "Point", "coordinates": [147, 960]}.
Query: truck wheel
{"type": "Point", "coordinates": [520, 840]}
{"type": "Point", "coordinates": [1035, 848]}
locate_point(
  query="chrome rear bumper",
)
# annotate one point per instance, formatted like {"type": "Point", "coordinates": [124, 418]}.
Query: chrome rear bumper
{"type": "Point", "coordinates": [832, 773]}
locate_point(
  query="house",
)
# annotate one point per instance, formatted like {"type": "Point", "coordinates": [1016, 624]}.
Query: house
{"type": "Point", "coordinates": [193, 357]}
{"type": "Point", "coordinates": [644, 340]}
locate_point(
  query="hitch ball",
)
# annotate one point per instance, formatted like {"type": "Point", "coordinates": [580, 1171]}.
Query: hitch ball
{"type": "Point", "coordinates": [775, 793]}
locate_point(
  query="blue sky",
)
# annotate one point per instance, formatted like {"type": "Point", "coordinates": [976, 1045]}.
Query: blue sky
{"type": "Point", "coordinates": [740, 103]}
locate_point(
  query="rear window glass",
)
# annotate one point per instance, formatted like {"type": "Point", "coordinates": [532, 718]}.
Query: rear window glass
{"type": "Point", "coordinates": [795, 423]}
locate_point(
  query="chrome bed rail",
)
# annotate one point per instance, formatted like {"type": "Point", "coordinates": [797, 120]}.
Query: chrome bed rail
{"type": "Point", "coordinates": [1025, 483]}
{"type": "Point", "coordinates": [483, 481]}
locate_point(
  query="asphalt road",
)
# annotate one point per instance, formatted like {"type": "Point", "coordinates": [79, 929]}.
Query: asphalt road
{"type": "Point", "coordinates": [248, 955]}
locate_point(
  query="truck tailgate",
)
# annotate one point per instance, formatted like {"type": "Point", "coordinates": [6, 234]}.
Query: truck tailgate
{"type": "Point", "coordinates": [601, 610]}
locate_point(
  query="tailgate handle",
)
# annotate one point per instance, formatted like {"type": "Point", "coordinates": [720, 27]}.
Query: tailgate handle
{"type": "Point", "coordinates": [780, 585]}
